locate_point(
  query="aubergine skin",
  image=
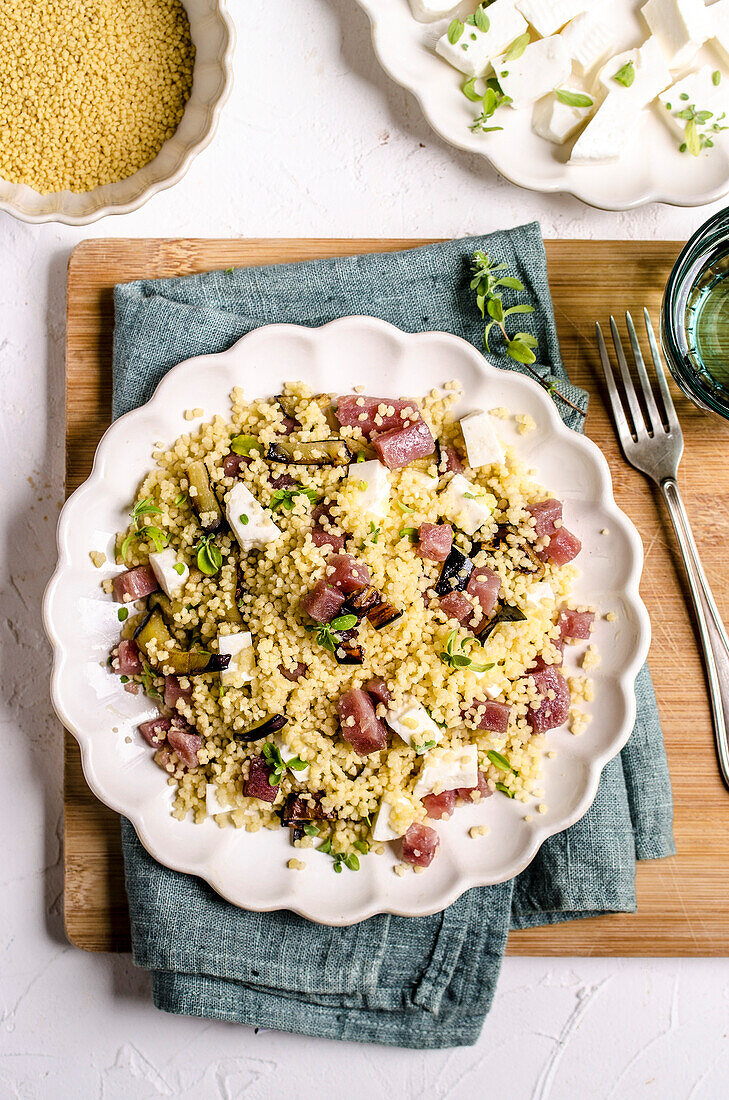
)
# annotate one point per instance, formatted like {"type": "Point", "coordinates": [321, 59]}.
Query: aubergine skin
{"type": "Point", "coordinates": [271, 725]}
{"type": "Point", "coordinates": [182, 662]}
{"type": "Point", "coordinates": [325, 452]}
{"type": "Point", "coordinates": [456, 568]}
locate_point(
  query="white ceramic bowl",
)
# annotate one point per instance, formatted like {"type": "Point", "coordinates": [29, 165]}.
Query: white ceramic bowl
{"type": "Point", "coordinates": [652, 170]}
{"type": "Point", "coordinates": [214, 37]}
{"type": "Point", "coordinates": [250, 868]}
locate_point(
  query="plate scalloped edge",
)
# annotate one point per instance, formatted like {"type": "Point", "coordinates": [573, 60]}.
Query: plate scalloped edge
{"type": "Point", "coordinates": [209, 863]}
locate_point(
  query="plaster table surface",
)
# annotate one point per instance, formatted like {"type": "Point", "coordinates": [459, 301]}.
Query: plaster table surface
{"type": "Point", "coordinates": [324, 144]}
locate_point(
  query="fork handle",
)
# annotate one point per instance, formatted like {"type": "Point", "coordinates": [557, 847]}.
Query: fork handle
{"type": "Point", "coordinates": [711, 629]}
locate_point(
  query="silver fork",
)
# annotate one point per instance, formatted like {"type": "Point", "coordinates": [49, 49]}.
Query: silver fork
{"type": "Point", "coordinates": [653, 443]}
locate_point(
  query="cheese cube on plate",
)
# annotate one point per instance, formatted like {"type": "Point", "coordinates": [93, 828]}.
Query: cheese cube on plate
{"type": "Point", "coordinates": [697, 93]}
{"type": "Point", "coordinates": [384, 826]}
{"type": "Point", "coordinates": [466, 504]}
{"type": "Point", "coordinates": [719, 29]}
{"type": "Point", "coordinates": [543, 66]}
{"type": "Point", "coordinates": [242, 658]}
{"type": "Point", "coordinates": [547, 16]}
{"type": "Point", "coordinates": [588, 40]}
{"type": "Point", "coordinates": [483, 446]}
{"type": "Point", "coordinates": [170, 571]}
{"type": "Point", "coordinates": [557, 121]}
{"type": "Point", "coordinates": [447, 769]}
{"type": "Point", "coordinates": [373, 481]}
{"type": "Point", "coordinates": [474, 50]}
{"type": "Point", "coordinates": [424, 482]}
{"type": "Point", "coordinates": [213, 805]}
{"type": "Point", "coordinates": [680, 27]}
{"type": "Point", "coordinates": [413, 724]}
{"type": "Point", "coordinates": [288, 754]}
{"type": "Point", "coordinates": [249, 521]}
{"type": "Point", "coordinates": [427, 11]}
{"type": "Point", "coordinates": [607, 134]}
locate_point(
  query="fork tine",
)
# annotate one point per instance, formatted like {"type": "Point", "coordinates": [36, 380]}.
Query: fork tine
{"type": "Point", "coordinates": [636, 414]}
{"type": "Point", "coordinates": [662, 383]}
{"type": "Point", "coordinates": [621, 423]}
{"type": "Point", "coordinates": [654, 417]}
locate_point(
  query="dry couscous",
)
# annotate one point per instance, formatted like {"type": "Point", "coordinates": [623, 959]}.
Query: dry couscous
{"type": "Point", "coordinates": [351, 612]}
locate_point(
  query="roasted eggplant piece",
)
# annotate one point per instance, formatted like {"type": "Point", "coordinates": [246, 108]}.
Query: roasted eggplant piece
{"type": "Point", "coordinates": [287, 404]}
{"type": "Point", "coordinates": [162, 601]}
{"type": "Point", "coordinates": [348, 650]}
{"type": "Point", "coordinates": [271, 725]}
{"type": "Point", "coordinates": [182, 662]}
{"type": "Point", "coordinates": [204, 500]}
{"type": "Point", "coordinates": [361, 602]}
{"type": "Point", "coordinates": [500, 538]}
{"type": "Point", "coordinates": [505, 613]}
{"type": "Point", "coordinates": [454, 573]}
{"type": "Point", "coordinates": [383, 614]}
{"type": "Point", "coordinates": [325, 452]}
{"type": "Point", "coordinates": [298, 809]}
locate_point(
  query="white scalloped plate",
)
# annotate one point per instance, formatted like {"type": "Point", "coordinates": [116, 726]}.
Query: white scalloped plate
{"type": "Point", "coordinates": [250, 868]}
{"type": "Point", "coordinates": [653, 170]}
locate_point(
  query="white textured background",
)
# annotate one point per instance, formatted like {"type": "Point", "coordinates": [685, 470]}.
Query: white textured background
{"type": "Point", "coordinates": [315, 141]}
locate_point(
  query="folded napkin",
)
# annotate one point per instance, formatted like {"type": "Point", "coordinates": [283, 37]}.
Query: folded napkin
{"type": "Point", "coordinates": [413, 982]}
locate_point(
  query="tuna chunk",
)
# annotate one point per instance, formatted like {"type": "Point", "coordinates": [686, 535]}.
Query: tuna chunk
{"type": "Point", "coordinates": [575, 624]}
{"type": "Point", "coordinates": [489, 715]}
{"type": "Point", "coordinates": [482, 788]}
{"type": "Point", "coordinates": [457, 606]}
{"type": "Point", "coordinates": [400, 446]}
{"type": "Point", "coordinates": [438, 806]}
{"type": "Point", "coordinates": [185, 742]}
{"type": "Point", "coordinates": [545, 513]}
{"type": "Point", "coordinates": [257, 785]}
{"type": "Point", "coordinates": [352, 407]}
{"type": "Point", "coordinates": [550, 712]}
{"type": "Point", "coordinates": [233, 464]}
{"type": "Point", "coordinates": [485, 585]}
{"type": "Point", "coordinates": [378, 690]}
{"type": "Point", "coordinates": [173, 691]}
{"type": "Point", "coordinates": [292, 674]}
{"type": "Point", "coordinates": [367, 733]}
{"type": "Point", "coordinates": [321, 537]}
{"type": "Point", "coordinates": [323, 602]}
{"type": "Point", "coordinates": [129, 663]}
{"type": "Point", "coordinates": [134, 584]}
{"type": "Point", "coordinates": [348, 574]}
{"type": "Point", "coordinates": [282, 481]}
{"type": "Point", "coordinates": [435, 541]}
{"type": "Point", "coordinates": [155, 731]}
{"type": "Point", "coordinates": [563, 547]}
{"type": "Point", "coordinates": [450, 462]}
{"type": "Point", "coordinates": [325, 531]}
{"type": "Point", "coordinates": [419, 845]}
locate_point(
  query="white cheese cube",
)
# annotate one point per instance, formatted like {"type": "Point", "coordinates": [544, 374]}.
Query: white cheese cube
{"type": "Point", "coordinates": [650, 72]}
{"type": "Point", "coordinates": [473, 52]}
{"type": "Point", "coordinates": [288, 754]}
{"type": "Point", "coordinates": [242, 658]}
{"type": "Point", "coordinates": [373, 482]}
{"type": "Point", "coordinates": [413, 724]}
{"type": "Point", "coordinates": [680, 27]}
{"type": "Point", "coordinates": [427, 11]}
{"type": "Point", "coordinates": [547, 16]}
{"type": "Point", "coordinates": [538, 592]}
{"type": "Point", "coordinates": [543, 66]}
{"type": "Point", "coordinates": [382, 827]}
{"type": "Point", "coordinates": [607, 134]}
{"type": "Point", "coordinates": [557, 121]}
{"type": "Point", "coordinates": [424, 482]}
{"type": "Point", "coordinates": [588, 41]}
{"type": "Point", "coordinates": [249, 521]}
{"type": "Point", "coordinates": [170, 571]}
{"type": "Point", "coordinates": [213, 805]}
{"type": "Point", "coordinates": [467, 505]}
{"type": "Point", "coordinates": [697, 92]}
{"type": "Point", "coordinates": [447, 769]}
{"type": "Point", "coordinates": [482, 444]}
{"type": "Point", "coordinates": [719, 28]}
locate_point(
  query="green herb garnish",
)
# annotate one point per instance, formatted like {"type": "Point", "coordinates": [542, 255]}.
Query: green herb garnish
{"type": "Point", "coordinates": [716, 78]}
{"type": "Point", "coordinates": [695, 137]}
{"type": "Point", "coordinates": [311, 830]}
{"type": "Point", "coordinates": [500, 761]}
{"type": "Point", "coordinates": [124, 679]}
{"type": "Point", "coordinates": [179, 568]}
{"type": "Point", "coordinates": [573, 99]}
{"type": "Point", "coordinates": [517, 47]}
{"type": "Point", "coordinates": [244, 519]}
{"type": "Point", "coordinates": [285, 498]}
{"type": "Point", "coordinates": [362, 846]}
{"type": "Point", "coordinates": [410, 533]}
{"type": "Point", "coordinates": [272, 755]}
{"type": "Point", "coordinates": [625, 74]}
{"type": "Point", "coordinates": [145, 507]}
{"type": "Point", "coordinates": [455, 30]}
{"type": "Point", "coordinates": [327, 634]}
{"type": "Point", "coordinates": [504, 790]}
{"type": "Point", "coordinates": [469, 90]}
{"type": "Point", "coordinates": [180, 499]}
{"type": "Point", "coordinates": [122, 614]}
{"type": "Point", "coordinates": [209, 559]}
{"type": "Point", "coordinates": [492, 99]}
{"type": "Point", "coordinates": [325, 847]}
{"type": "Point", "coordinates": [244, 444]}
{"type": "Point", "coordinates": [404, 508]}
{"type": "Point", "coordinates": [420, 750]}
{"type": "Point", "coordinates": [456, 658]}
{"type": "Point", "coordinates": [374, 532]}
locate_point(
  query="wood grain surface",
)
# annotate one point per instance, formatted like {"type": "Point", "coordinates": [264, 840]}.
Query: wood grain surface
{"type": "Point", "coordinates": [683, 902]}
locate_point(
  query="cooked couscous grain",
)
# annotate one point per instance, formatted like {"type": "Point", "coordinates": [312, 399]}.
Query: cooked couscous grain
{"type": "Point", "coordinates": [97, 558]}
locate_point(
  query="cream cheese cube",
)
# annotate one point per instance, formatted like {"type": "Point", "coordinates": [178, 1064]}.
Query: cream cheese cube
{"type": "Point", "coordinates": [467, 505]}
{"type": "Point", "coordinates": [473, 52]}
{"type": "Point", "coordinates": [213, 805]}
{"type": "Point", "coordinates": [483, 446]}
{"type": "Point", "coordinates": [543, 66]}
{"type": "Point", "coordinates": [719, 30]}
{"type": "Point", "coordinates": [547, 16]}
{"type": "Point", "coordinates": [242, 658]}
{"type": "Point", "coordinates": [427, 11]}
{"type": "Point", "coordinates": [651, 75]}
{"type": "Point", "coordinates": [588, 40]}
{"type": "Point", "coordinates": [249, 521]}
{"type": "Point", "coordinates": [556, 121]}
{"type": "Point", "coordinates": [697, 90]}
{"type": "Point", "coordinates": [425, 482]}
{"type": "Point", "coordinates": [170, 571]}
{"type": "Point", "coordinates": [374, 498]}
{"type": "Point", "coordinates": [606, 134]}
{"type": "Point", "coordinates": [288, 754]}
{"type": "Point", "coordinates": [539, 592]}
{"type": "Point", "coordinates": [382, 829]}
{"type": "Point", "coordinates": [413, 724]}
{"type": "Point", "coordinates": [680, 27]}
{"type": "Point", "coordinates": [447, 769]}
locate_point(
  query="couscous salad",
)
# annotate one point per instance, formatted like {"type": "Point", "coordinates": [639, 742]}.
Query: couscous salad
{"type": "Point", "coordinates": [351, 613]}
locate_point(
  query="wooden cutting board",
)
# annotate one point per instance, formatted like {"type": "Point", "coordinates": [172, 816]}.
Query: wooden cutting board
{"type": "Point", "coordinates": [683, 902]}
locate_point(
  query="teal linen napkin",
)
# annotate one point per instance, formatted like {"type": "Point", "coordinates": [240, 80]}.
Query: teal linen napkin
{"type": "Point", "coordinates": [414, 982]}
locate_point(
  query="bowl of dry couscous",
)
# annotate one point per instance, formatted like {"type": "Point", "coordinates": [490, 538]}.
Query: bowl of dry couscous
{"type": "Point", "coordinates": [106, 102]}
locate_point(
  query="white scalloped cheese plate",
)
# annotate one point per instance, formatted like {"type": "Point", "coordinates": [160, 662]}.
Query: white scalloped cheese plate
{"type": "Point", "coordinates": [653, 170]}
{"type": "Point", "coordinates": [249, 869]}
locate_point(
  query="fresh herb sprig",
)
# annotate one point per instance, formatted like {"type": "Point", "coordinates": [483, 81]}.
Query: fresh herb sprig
{"type": "Point", "coordinates": [286, 498]}
{"type": "Point", "coordinates": [455, 657]}
{"type": "Point", "coordinates": [374, 532]}
{"type": "Point", "coordinates": [487, 280]}
{"type": "Point", "coordinates": [491, 100]}
{"type": "Point", "coordinates": [209, 559]}
{"type": "Point", "coordinates": [697, 139]}
{"type": "Point", "coordinates": [277, 764]}
{"type": "Point", "coordinates": [327, 634]}
{"type": "Point", "coordinates": [500, 762]}
{"type": "Point", "coordinates": [142, 508]}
